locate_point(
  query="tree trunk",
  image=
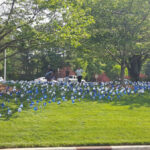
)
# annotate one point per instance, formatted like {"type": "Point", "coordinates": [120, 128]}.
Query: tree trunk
{"type": "Point", "coordinates": [122, 72]}
{"type": "Point", "coordinates": [134, 67]}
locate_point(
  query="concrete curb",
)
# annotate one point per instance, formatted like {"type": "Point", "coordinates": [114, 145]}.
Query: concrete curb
{"type": "Point", "coordinates": [135, 147]}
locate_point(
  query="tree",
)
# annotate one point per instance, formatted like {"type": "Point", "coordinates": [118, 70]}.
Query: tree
{"type": "Point", "coordinates": [121, 30]}
{"type": "Point", "coordinates": [64, 20]}
{"type": "Point", "coordinates": [41, 25]}
{"type": "Point", "coordinates": [15, 16]}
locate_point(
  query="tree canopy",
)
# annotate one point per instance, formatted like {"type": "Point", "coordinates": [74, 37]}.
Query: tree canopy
{"type": "Point", "coordinates": [121, 31]}
{"type": "Point", "coordinates": [94, 34]}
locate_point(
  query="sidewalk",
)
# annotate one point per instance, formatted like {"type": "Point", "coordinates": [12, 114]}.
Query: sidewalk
{"type": "Point", "coordinates": [135, 147]}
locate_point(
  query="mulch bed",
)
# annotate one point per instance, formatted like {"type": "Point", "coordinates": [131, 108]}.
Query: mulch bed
{"type": "Point", "coordinates": [5, 88]}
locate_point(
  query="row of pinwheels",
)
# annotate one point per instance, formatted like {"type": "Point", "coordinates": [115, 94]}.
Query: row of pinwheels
{"type": "Point", "coordinates": [24, 94]}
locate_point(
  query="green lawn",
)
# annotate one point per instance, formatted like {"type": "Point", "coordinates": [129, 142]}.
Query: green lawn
{"type": "Point", "coordinates": [125, 121]}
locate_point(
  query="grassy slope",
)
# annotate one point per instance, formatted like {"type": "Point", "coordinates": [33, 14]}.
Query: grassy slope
{"type": "Point", "coordinates": [84, 123]}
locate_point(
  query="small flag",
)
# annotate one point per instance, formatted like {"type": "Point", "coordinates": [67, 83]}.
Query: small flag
{"type": "Point", "coordinates": [35, 108]}
{"type": "Point", "coordinates": [19, 109]}
{"type": "Point", "coordinates": [2, 105]}
{"type": "Point", "coordinates": [58, 102]}
{"type": "Point", "coordinates": [9, 112]}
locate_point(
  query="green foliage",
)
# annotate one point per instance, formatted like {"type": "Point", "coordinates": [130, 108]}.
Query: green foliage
{"type": "Point", "coordinates": [86, 32]}
{"type": "Point", "coordinates": [115, 71]}
{"type": "Point", "coordinates": [55, 25]}
{"type": "Point", "coordinates": [52, 59]}
{"type": "Point", "coordinates": [70, 24]}
{"type": "Point", "coordinates": [121, 28]}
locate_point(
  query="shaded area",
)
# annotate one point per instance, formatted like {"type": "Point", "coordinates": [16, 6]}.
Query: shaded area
{"type": "Point", "coordinates": [136, 100]}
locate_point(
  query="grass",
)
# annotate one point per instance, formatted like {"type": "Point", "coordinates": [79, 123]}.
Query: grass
{"type": "Point", "coordinates": [125, 121]}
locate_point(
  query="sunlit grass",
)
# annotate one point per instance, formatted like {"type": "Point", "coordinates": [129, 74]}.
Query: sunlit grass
{"type": "Point", "coordinates": [89, 122]}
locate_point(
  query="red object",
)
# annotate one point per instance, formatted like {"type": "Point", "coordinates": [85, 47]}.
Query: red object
{"type": "Point", "coordinates": [103, 78]}
{"type": "Point", "coordinates": [142, 76]}
{"type": "Point", "coordinates": [62, 72]}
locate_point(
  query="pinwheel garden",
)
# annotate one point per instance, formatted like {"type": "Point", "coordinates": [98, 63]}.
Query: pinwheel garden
{"type": "Point", "coordinates": [74, 73]}
{"type": "Point", "coordinates": [58, 114]}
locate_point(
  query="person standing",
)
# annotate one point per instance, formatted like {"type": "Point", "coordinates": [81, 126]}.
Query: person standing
{"type": "Point", "coordinates": [79, 72]}
{"type": "Point", "coordinates": [49, 75]}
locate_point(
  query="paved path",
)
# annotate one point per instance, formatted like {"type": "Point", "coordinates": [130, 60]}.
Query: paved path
{"type": "Point", "coordinates": [136, 147]}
